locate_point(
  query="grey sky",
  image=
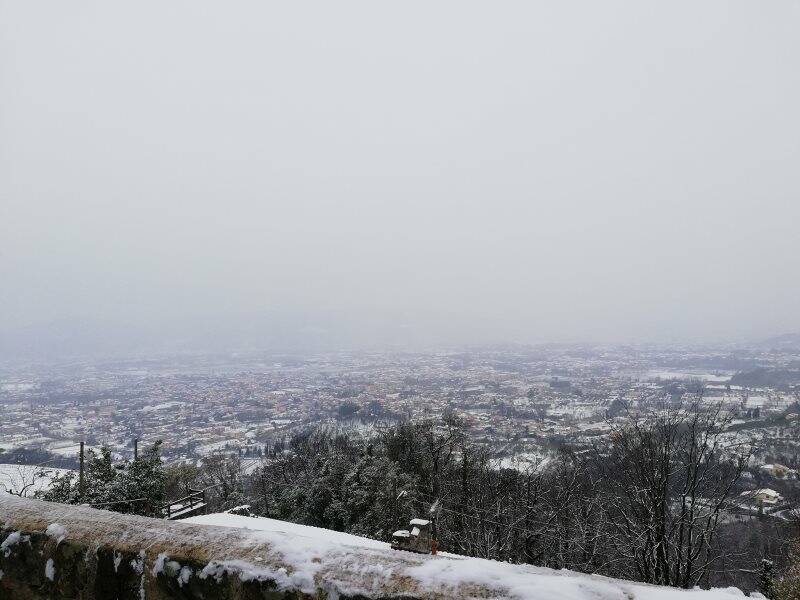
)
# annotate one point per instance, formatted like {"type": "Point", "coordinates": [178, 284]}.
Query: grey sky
{"type": "Point", "coordinates": [475, 170]}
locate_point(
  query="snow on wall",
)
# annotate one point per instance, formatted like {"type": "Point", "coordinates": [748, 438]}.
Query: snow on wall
{"type": "Point", "coordinates": [164, 558]}
{"type": "Point", "coordinates": [311, 551]}
{"type": "Point", "coordinates": [50, 569]}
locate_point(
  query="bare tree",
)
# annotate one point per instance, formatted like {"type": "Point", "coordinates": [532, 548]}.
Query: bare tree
{"type": "Point", "coordinates": [22, 480]}
{"type": "Point", "coordinates": [221, 476]}
{"type": "Point", "coordinates": [668, 478]}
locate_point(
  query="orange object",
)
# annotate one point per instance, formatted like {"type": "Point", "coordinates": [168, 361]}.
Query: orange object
{"type": "Point", "coordinates": [434, 546]}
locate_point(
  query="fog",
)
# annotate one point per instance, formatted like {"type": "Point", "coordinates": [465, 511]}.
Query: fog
{"type": "Point", "coordinates": [373, 173]}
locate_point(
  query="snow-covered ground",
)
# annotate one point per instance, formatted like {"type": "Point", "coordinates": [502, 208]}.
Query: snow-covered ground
{"type": "Point", "coordinates": [17, 386]}
{"type": "Point", "coordinates": [350, 563]}
{"type": "Point", "coordinates": [164, 406]}
{"type": "Point", "coordinates": [69, 448]}
{"type": "Point", "coordinates": [26, 479]}
{"type": "Point", "coordinates": [717, 377]}
{"type": "Point", "coordinates": [523, 461]}
{"type": "Point", "coordinates": [23, 441]}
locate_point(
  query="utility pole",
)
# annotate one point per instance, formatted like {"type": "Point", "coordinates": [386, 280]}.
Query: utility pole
{"type": "Point", "coordinates": [135, 448]}
{"type": "Point", "coordinates": [81, 482]}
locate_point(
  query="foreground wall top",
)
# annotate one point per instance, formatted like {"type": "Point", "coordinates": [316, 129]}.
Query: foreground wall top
{"type": "Point", "coordinates": [56, 551]}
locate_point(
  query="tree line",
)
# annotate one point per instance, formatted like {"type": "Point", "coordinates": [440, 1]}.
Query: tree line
{"type": "Point", "coordinates": [652, 501]}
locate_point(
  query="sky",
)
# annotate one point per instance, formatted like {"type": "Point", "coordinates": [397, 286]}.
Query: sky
{"type": "Point", "coordinates": [399, 172]}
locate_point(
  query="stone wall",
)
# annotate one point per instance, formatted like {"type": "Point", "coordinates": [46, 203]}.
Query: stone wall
{"type": "Point", "coordinates": [51, 551]}
{"type": "Point", "coordinates": [38, 567]}
{"type": "Point", "coordinates": [60, 552]}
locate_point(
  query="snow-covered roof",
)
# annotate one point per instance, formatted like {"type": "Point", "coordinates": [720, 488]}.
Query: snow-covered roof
{"type": "Point", "coordinates": [402, 533]}
{"type": "Point", "coordinates": [762, 492]}
{"type": "Point", "coordinates": [419, 522]}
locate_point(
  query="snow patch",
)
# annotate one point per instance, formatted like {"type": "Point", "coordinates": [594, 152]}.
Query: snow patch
{"type": "Point", "coordinates": [27, 480]}
{"type": "Point", "coordinates": [249, 572]}
{"type": "Point", "coordinates": [158, 567]}
{"type": "Point", "coordinates": [12, 540]}
{"type": "Point", "coordinates": [137, 564]}
{"type": "Point", "coordinates": [172, 568]}
{"type": "Point", "coordinates": [56, 530]}
{"type": "Point", "coordinates": [50, 569]}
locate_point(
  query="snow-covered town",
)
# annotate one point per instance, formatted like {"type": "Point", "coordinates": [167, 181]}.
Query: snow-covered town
{"type": "Point", "coordinates": [521, 403]}
{"type": "Point", "coordinates": [239, 428]}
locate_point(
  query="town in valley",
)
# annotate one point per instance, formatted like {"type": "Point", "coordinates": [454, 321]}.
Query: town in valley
{"type": "Point", "coordinates": [522, 403]}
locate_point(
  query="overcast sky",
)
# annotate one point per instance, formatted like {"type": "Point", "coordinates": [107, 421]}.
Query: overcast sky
{"type": "Point", "coordinates": [470, 171]}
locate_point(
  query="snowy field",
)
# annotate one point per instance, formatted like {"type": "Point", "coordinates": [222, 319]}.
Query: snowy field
{"type": "Point", "coordinates": [164, 406]}
{"type": "Point", "coordinates": [371, 567]}
{"type": "Point", "coordinates": [656, 374]}
{"type": "Point", "coordinates": [523, 461]}
{"type": "Point", "coordinates": [26, 479]}
{"type": "Point", "coordinates": [17, 387]}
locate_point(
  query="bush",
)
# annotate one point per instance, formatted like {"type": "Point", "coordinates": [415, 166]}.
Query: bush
{"type": "Point", "coordinates": [135, 487]}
